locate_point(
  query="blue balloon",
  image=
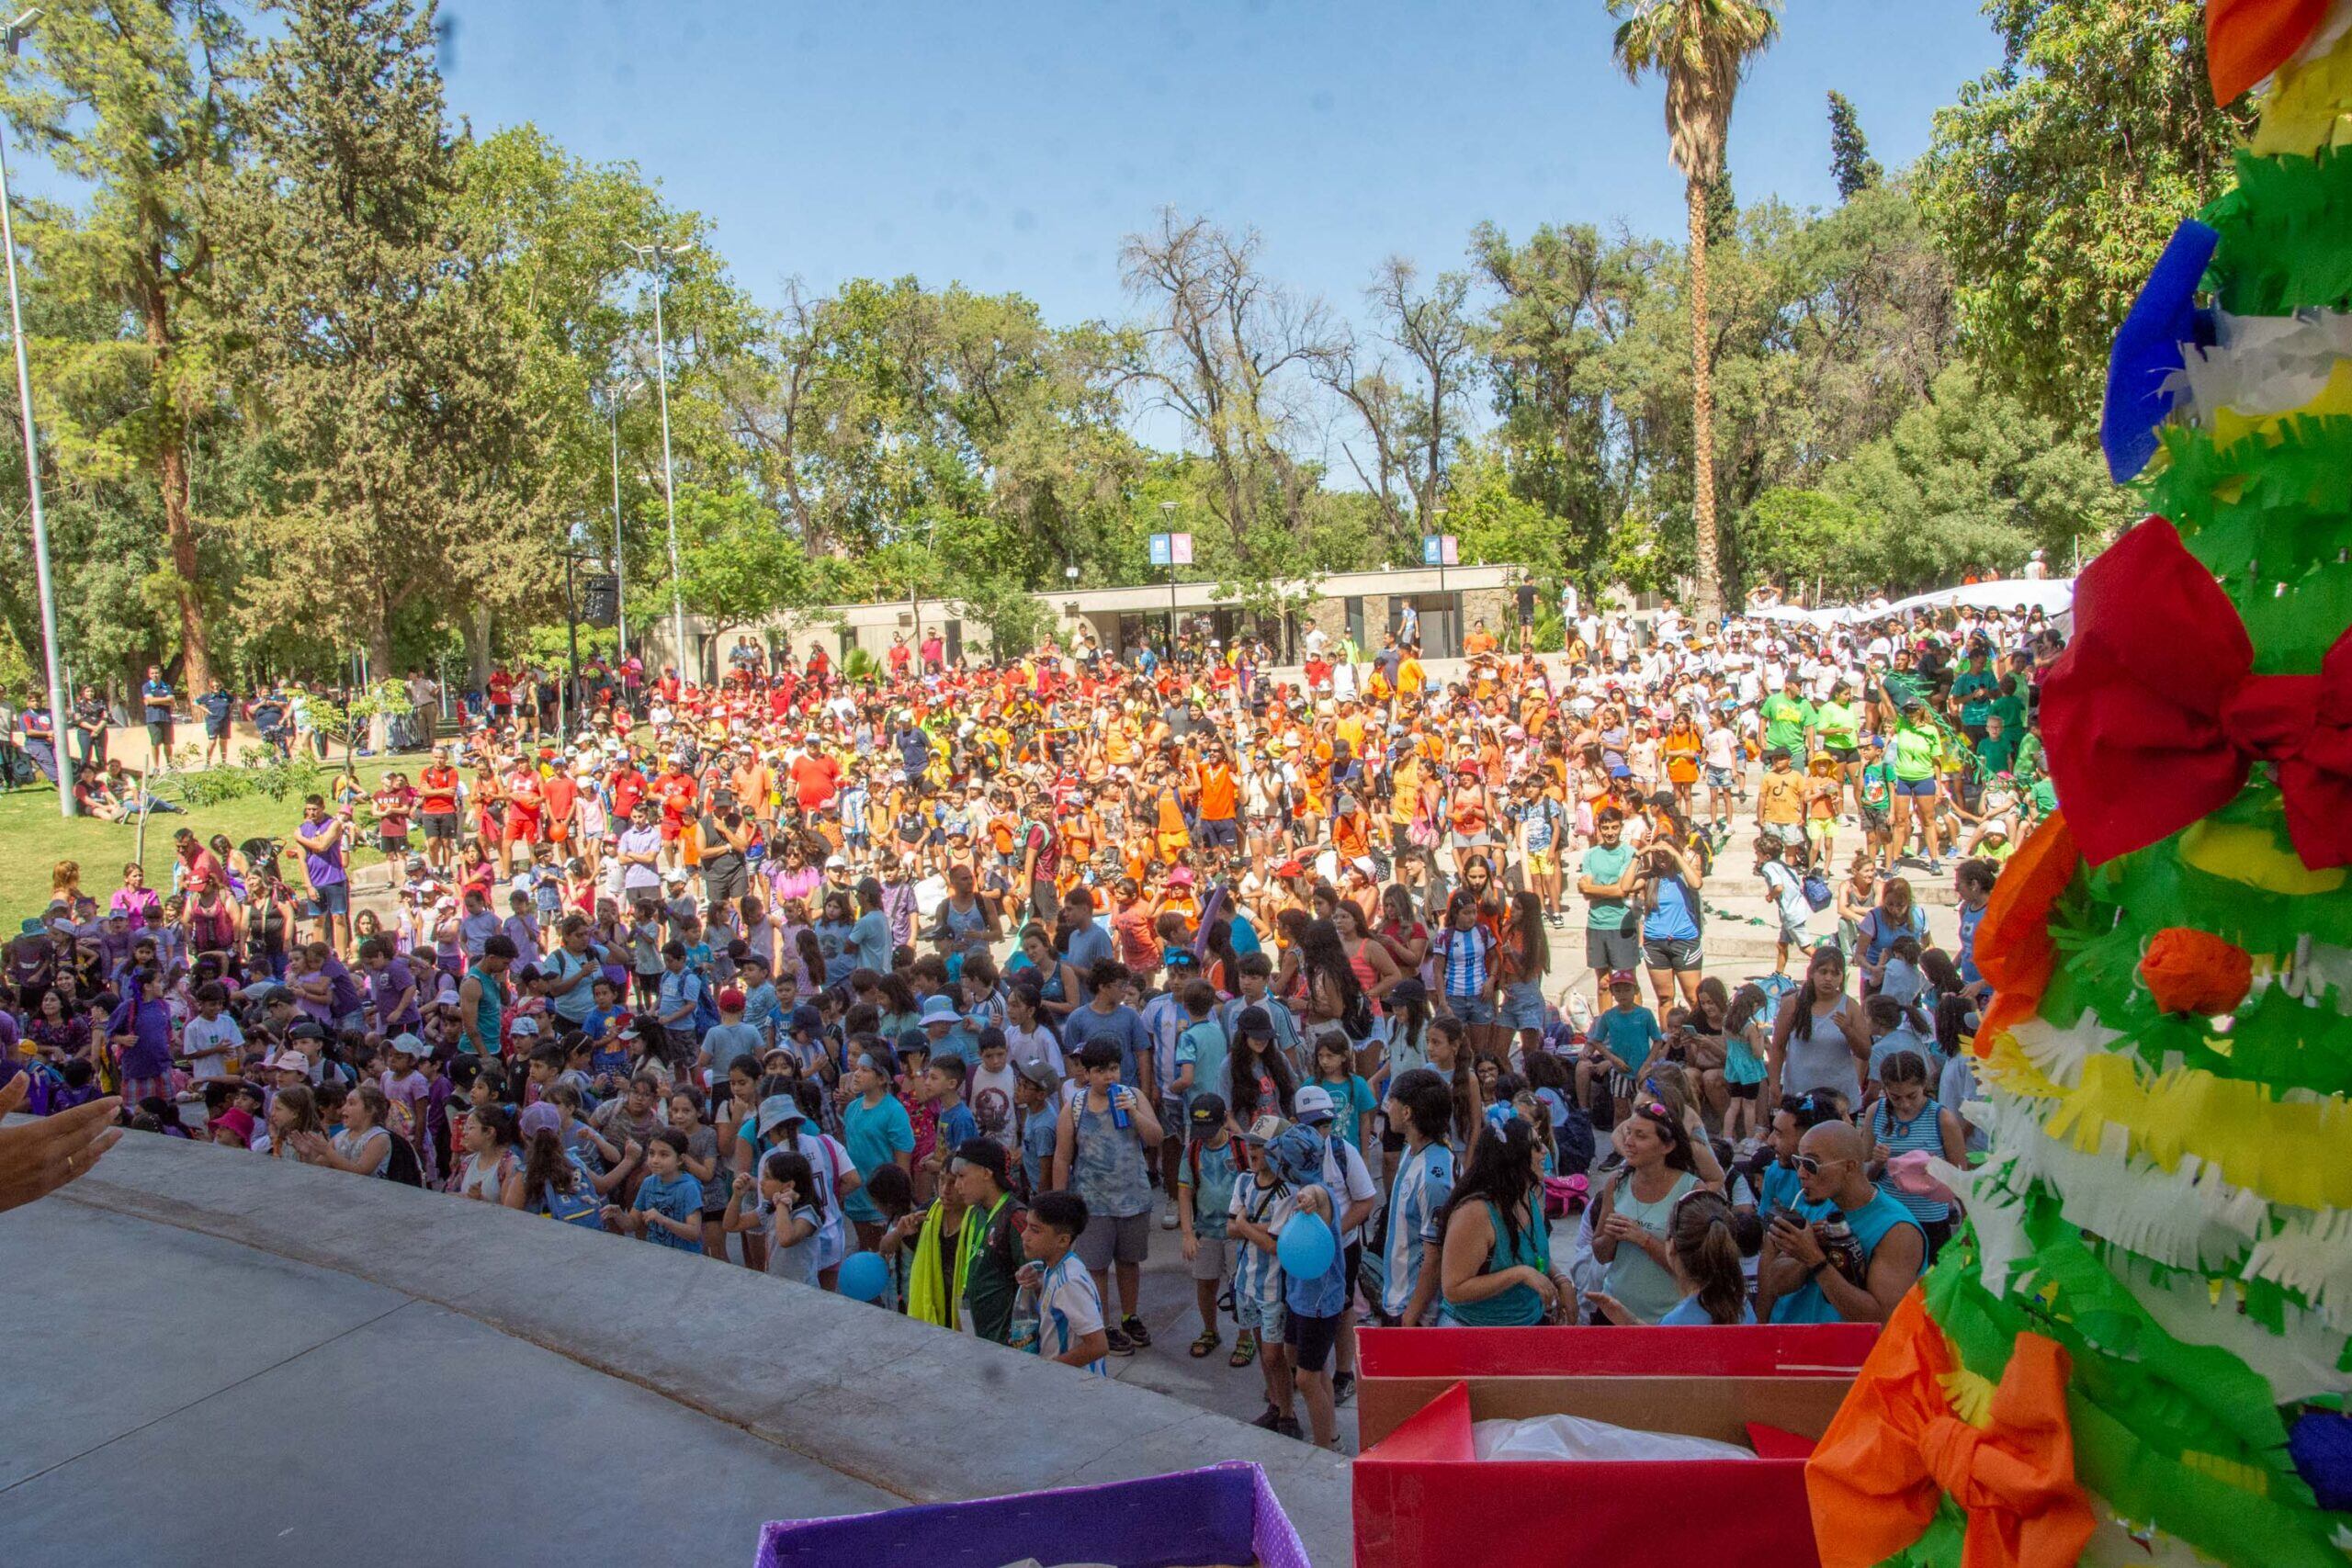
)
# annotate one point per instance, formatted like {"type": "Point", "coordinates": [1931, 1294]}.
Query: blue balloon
{"type": "Point", "coordinates": [1306, 1247]}
{"type": "Point", "coordinates": [865, 1276]}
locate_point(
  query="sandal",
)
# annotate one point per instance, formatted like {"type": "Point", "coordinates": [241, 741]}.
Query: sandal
{"type": "Point", "coordinates": [1245, 1351]}
{"type": "Point", "coordinates": [1209, 1341]}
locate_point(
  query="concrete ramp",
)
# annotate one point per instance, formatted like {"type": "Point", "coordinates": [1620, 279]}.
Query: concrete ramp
{"type": "Point", "coordinates": [217, 1357]}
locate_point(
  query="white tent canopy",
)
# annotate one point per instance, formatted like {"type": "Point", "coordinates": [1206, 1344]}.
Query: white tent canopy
{"type": "Point", "coordinates": [2052, 597]}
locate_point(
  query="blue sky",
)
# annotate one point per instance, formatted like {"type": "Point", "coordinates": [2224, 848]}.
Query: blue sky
{"type": "Point", "coordinates": [1011, 146]}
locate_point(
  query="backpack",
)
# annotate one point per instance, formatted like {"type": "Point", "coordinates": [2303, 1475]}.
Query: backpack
{"type": "Point", "coordinates": [580, 1206]}
{"type": "Point", "coordinates": [403, 1166]}
{"type": "Point", "coordinates": [1816, 891]}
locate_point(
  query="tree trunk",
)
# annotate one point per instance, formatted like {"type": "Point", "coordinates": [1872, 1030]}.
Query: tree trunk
{"type": "Point", "coordinates": [1702, 419]}
{"type": "Point", "coordinates": [170, 479]}
{"type": "Point", "coordinates": [380, 668]}
{"type": "Point", "coordinates": [475, 624]}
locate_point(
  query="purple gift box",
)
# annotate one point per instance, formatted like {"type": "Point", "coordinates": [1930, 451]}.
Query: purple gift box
{"type": "Point", "coordinates": [1225, 1514]}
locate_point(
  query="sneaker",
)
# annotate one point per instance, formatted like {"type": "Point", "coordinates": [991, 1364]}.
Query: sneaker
{"type": "Point", "coordinates": [1343, 1387]}
{"type": "Point", "coordinates": [1137, 1333]}
{"type": "Point", "coordinates": [1288, 1427]}
{"type": "Point", "coordinates": [1117, 1343]}
{"type": "Point", "coordinates": [1168, 1221]}
{"type": "Point", "coordinates": [1270, 1420]}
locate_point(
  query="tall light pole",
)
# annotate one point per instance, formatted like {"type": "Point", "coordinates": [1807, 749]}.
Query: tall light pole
{"type": "Point", "coordinates": [63, 753]}
{"type": "Point", "coordinates": [652, 256]}
{"type": "Point", "coordinates": [613, 397]}
{"type": "Point", "coordinates": [1167, 526]}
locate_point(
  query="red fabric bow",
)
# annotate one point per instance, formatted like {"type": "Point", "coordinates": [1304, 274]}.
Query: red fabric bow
{"type": "Point", "coordinates": [2154, 717]}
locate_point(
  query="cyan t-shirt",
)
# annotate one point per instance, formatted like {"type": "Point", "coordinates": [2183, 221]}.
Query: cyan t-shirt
{"type": "Point", "coordinates": [875, 1136]}
{"type": "Point", "coordinates": [1628, 1031]}
{"type": "Point", "coordinates": [1602, 863]}
{"type": "Point", "coordinates": [1204, 1045]}
{"type": "Point", "coordinates": [680, 1198]}
{"type": "Point", "coordinates": [1350, 1100]}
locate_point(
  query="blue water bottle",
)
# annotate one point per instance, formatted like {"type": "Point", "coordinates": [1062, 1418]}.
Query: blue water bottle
{"type": "Point", "coordinates": [1119, 1117]}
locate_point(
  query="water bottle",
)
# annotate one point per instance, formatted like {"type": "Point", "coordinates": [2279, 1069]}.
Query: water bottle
{"type": "Point", "coordinates": [1119, 1117]}
{"type": "Point", "coordinates": [1024, 1334]}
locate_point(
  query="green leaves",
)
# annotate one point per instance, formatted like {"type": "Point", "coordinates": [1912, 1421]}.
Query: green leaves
{"type": "Point", "coordinates": [2054, 183]}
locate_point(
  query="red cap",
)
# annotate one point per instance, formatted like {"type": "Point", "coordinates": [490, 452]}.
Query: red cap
{"type": "Point", "coordinates": [731, 1001]}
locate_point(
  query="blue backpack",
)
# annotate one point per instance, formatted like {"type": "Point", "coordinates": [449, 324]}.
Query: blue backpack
{"type": "Point", "coordinates": [580, 1206]}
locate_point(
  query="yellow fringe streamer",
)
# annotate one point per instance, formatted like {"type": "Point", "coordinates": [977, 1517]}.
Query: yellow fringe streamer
{"type": "Point", "coordinates": [2308, 105]}
{"type": "Point", "coordinates": [2292, 1152]}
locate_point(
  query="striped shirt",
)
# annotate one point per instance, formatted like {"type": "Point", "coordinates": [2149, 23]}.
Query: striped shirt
{"type": "Point", "coordinates": [1467, 955]}
{"type": "Point", "coordinates": [1424, 1181]}
{"type": "Point", "coordinates": [1922, 1132]}
{"type": "Point", "coordinates": [1256, 1275]}
{"type": "Point", "coordinates": [1068, 1311]}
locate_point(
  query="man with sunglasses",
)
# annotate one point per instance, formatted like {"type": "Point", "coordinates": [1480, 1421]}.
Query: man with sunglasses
{"type": "Point", "coordinates": [1852, 1267]}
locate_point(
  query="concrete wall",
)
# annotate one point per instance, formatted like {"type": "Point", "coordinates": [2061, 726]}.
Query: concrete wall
{"type": "Point", "coordinates": [892, 1404]}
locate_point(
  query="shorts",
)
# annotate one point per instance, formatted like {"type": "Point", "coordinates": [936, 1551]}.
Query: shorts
{"type": "Point", "coordinates": [1678, 953]}
{"type": "Point", "coordinates": [1792, 932]}
{"type": "Point", "coordinates": [1918, 789]}
{"type": "Point", "coordinates": [522, 828]}
{"type": "Point", "coordinates": [1472, 1010]}
{"type": "Point", "coordinates": [1310, 1339]}
{"type": "Point", "coordinates": [440, 824]}
{"type": "Point", "coordinates": [335, 899]}
{"type": "Point", "coordinates": [1222, 833]}
{"type": "Point", "coordinates": [216, 731]}
{"type": "Point", "coordinates": [392, 844]}
{"type": "Point", "coordinates": [1107, 1239]}
{"type": "Point", "coordinates": [1212, 1261]}
{"type": "Point", "coordinates": [1875, 821]}
{"type": "Point", "coordinates": [1608, 950]}
{"type": "Point", "coordinates": [1719, 778]}
{"type": "Point", "coordinates": [725, 886]}
{"type": "Point", "coordinates": [1523, 1005]}
{"type": "Point", "coordinates": [1540, 863]}
{"type": "Point", "coordinates": [1267, 1317]}
{"type": "Point", "coordinates": [1849, 754]}
{"type": "Point", "coordinates": [1172, 1111]}
{"type": "Point", "coordinates": [1743, 1091]}
{"type": "Point", "coordinates": [1821, 829]}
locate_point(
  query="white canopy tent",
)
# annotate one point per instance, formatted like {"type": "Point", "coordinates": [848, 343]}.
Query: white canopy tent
{"type": "Point", "coordinates": [2052, 597]}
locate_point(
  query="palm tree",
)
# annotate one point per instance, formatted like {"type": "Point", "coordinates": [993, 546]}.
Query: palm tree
{"type": "Point", "coordinates": [1701, 48]}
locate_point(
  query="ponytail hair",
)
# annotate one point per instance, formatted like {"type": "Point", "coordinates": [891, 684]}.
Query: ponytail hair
{"type": "Point", "coordinates": [1706, 1251]}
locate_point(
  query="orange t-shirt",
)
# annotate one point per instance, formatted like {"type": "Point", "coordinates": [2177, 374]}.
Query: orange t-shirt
{"type": "Point", "coordinates": [1216, 803]}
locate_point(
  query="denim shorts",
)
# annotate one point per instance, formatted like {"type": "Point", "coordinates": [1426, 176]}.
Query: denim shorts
{"type": "Point", "coordinates": [335, 899]}
{"type": "Point", "coordinates": [1916, 788]}
{"type": "Point", "coordinates": [1523, 1005]}
{"type": "Point", "coordinates": [1719, 778]}
{"type": "Point", "coordinates": [1472, 1009]}
{"type": "Point", "coordinates": [1265, 1316]}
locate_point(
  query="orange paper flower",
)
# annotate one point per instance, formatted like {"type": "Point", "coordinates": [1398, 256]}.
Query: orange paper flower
{"type": "Point", "coordinates": [1896, 1446]}
{"type": "Point", "coordinates": [2247, 40]}
{"type": "Point", "coordinates": [2013, 947]}
{"type": "Point", "coordinates": [2196, 972]}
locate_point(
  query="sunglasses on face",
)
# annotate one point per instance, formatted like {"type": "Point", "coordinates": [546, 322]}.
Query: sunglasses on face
{"type": "Point", "coordinates": [1812, 1164]}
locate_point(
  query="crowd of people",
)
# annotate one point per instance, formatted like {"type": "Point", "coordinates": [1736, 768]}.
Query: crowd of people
{"type": "Point", "coordinates": [965, 987]}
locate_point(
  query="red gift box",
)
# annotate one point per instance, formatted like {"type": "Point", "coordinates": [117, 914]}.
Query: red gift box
{"type": "Point", "coordinates": [1422, 1498]}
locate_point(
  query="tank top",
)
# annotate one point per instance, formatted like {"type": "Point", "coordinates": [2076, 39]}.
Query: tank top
{"type": "Point", "coordinates": [1107, 1168]}
{"type": "Point", "coordinates": [1924, 1131]}
{"type": "Point", "coordinates": [493, 1008]}
{"type": "Point", "coordinates": [1823, 1059]}
{"type": "Point", "coordinates": [1647, 1291]}
{"type": "Point", "coordinates": [1519, 1306]}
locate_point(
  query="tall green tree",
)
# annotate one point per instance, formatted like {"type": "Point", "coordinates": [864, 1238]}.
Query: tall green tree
{"type": "Point", "coordinates": [2055, 181]}
{"type": "Point", "coordinates": [1850, 150]}
{"type": "Point", "coordinates": [391, 385]}
{"type": "Point", "coordinates": [137, 99]}
{"type": "Point", "coordinates": [1701, 48]}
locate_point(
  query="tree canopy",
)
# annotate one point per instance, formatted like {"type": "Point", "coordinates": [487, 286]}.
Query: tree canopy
{"type": "Point", "coordinates": [324, 370]}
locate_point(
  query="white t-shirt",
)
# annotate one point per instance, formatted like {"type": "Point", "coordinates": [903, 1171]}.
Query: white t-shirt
{"type": "Point", "coordinates": [1344, 1172]}
{"type": "Point", "coordinates": [1068, 1311]}
{"type": "Point", "coordinates": [989, 1094]}
{"type": "Point", "coordinates": [203, 1034]}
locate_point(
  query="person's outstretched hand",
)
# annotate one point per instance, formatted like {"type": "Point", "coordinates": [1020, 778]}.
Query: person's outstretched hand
{"type": "Point", "coordinates": [38, 1157]}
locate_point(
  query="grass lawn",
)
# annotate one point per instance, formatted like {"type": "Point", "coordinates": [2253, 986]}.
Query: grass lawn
{"type": "Point", "coordinates": [34, 838]}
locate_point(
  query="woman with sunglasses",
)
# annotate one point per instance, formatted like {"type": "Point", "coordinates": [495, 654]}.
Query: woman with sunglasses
{"type": "Point", "coordinates": [1495, 1267]}
{"type": "Point", "coordinates": [1631, 1219]}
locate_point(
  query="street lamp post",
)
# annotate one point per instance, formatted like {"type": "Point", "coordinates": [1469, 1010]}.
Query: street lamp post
{"type": "Point", "coordinates": [1167, 526]}
{"type": "Point", "coordinates": [613, 397]}
{"type": "Point", "coordinates": [651, 256]}
{"type": "Point", "coordinates": [63, 753]}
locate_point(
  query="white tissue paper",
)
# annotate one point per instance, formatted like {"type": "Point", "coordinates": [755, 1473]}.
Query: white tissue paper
{"type": "Point", "coordinates": [1574, 1438]}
